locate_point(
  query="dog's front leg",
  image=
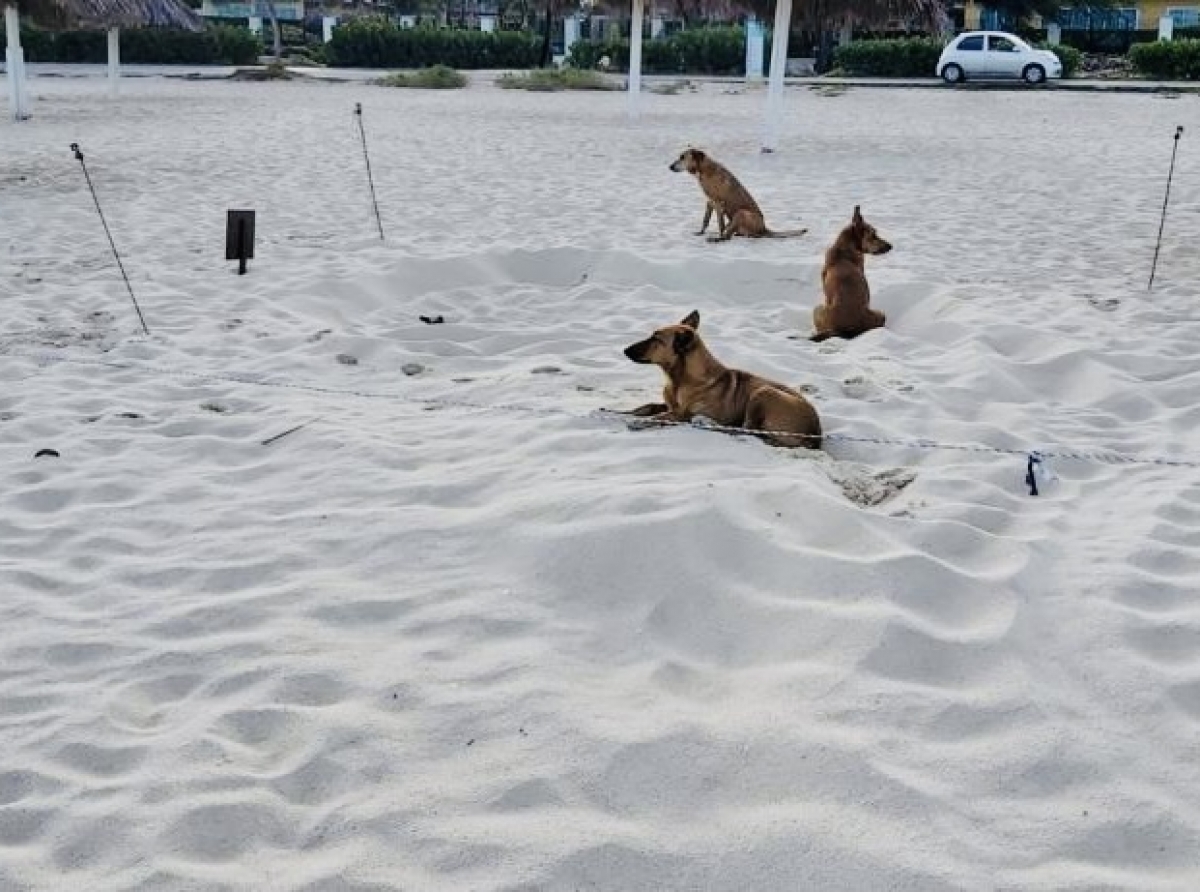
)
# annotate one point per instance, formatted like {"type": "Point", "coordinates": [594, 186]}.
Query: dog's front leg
{"type": "Point", "coordinates": [650, 410]}
{"type": "Point", "coordinates": [708, 212]}
{"type": "Point", "coordinates": [727, 232]}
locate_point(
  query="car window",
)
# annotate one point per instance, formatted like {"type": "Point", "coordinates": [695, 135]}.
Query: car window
{"type": "Point", "coordinates": [1002, 45]}
{"type": "Point", "coordinates": [971, 43]}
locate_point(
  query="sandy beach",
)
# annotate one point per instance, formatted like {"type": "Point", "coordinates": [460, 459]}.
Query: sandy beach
{"type": "Point", "coordinates": [464, 631]}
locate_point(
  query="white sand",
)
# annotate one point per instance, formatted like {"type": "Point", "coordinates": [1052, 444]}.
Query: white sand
{"type": "Point", "coordinates": [428, 648]}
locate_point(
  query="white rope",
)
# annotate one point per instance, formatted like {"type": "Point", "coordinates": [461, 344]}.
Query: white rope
{"type": "Point", "coordinates": [1062, 453]}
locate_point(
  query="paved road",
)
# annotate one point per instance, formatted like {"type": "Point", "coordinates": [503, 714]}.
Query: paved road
{"type": "Point", "coordinates": [200, 72]}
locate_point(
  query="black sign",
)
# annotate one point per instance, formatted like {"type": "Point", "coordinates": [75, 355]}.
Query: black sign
{"type": "Point", "coordinates": [239, 238]}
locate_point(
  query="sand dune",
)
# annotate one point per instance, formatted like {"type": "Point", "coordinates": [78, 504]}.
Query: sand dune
{"type": "Point", "coordinates": [463, 630]}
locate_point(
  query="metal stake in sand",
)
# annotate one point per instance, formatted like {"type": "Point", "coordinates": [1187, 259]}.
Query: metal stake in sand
{"type": "Point", "coordinates": [367, 158]}
{"type": "Point", "coordinates": [112, 244]}
{"type": "Point", "coordinates": [1162, 222]}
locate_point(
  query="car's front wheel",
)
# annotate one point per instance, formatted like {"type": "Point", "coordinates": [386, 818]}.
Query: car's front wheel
{"type": "Point", "coordinates": [952, 74]}
{"type": "Point", "coordinates": [1034, 74]}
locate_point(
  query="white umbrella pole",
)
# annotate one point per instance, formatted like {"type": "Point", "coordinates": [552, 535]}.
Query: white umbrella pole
{"type": "Point", "coordinates": [14, 61]}
{"type": "Point", "coordinates": [635, 57]}
{"type": "Point", "coordinates": [779, 48]}
{"type": "Point", "coordinates": [114, 60]}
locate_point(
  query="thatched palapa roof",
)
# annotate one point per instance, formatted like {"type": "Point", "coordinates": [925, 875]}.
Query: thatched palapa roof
{"type": "Point", "coordinates": [110, 14]}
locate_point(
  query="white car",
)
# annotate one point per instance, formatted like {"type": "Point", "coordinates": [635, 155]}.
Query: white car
{"type": "Point", "coordinates": [995, 54]}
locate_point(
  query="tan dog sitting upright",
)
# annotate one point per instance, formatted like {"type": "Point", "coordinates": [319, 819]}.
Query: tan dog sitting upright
{"type": "Point", "coordinates": [737, 213]}
{"type": "Point", "coordinates": [847, 309]}
{"type": "Point", "coordinates": [697, 384]}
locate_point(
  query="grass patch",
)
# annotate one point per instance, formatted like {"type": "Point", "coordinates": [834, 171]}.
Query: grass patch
{"type": "Point", "coordinates": [275, 71]}
{"type": "Point", "coordinates": [439, 77]}
{"type": "Point", "coordinates": [551, 80]}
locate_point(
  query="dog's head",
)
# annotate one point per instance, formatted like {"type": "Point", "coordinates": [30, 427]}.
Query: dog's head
{"type": "Point", "coordinates": [866, 239]}
{"type": "Point", "coordinates": [669, 345]}
{"type": "Point", "coordinates": [689, 161]}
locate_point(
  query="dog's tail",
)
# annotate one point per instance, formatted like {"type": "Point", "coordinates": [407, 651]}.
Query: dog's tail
{"type": "Point", "coordinates": [786, 233]}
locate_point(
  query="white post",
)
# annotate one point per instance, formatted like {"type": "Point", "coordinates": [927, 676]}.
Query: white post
{"type": "Point", "coordinates": [635, 57]}
{"type": "Point", "coordinates": [114, 61]}
{"type": "Point", "coordinates": [328, 23]}
{"type": "Point", "coordinates": [14, 60]}
{"type": "Point", "coordinates": [1054, 33]}
{"type": "Point", "coordinates": [779, 48]}
{"type": "Point", "coordinates": [754, 49]}
{"type": "Point", "coordinates": [487, 23]}
{"type": "Point", "coordinates": [657, 24]}
{"type": "Point", "coordinates": [256, 24]}
{"type": "Point", "coordinates": [570, 35]}
{"type": "Point", "coordinates": [1166, 28]}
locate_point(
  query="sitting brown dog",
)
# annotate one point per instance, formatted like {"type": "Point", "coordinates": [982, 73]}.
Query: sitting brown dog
{"type": "Point", "coordinates": [697, 384]}
{"type": "Point", "coordinates": [737, 213]}
{"type": "Point", "coordinates": [847, 309]}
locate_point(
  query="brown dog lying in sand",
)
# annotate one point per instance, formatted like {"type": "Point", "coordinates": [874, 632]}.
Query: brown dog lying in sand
{"type": "Point", "coordinates": [737, 213]}
{"type": "Point", "coordinates": [697, 384]}
{"type": "Point", "coordinates": [847, 309]}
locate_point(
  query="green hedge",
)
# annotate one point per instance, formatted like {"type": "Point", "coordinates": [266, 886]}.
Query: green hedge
{"type": "Point", "coordinates": [219, 45]}
{"type": "Point", "coordinates": [906, 57]}
{"type": "Point", "coordinates": [1167, 60]}
{"type": "Point", "coordinates": [695, 51]}
{"type": "Point", "coordinates": [1070, 57]}
{"type": "Point", "coordinates": [1118, 42]}
{"type": "Point", "coordinates": [374, 43]}
{"type": "Point", "coordinates": [915, 57]}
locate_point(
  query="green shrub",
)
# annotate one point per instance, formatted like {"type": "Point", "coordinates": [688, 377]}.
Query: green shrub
{"type": "Point", "coordinates": [1167, 60]}
{"type": "Point", "coordinates": [549, 80]}
{"type": "Point", "coordinates": [374, 43]}
{"type": "Point", "coordinates": [695, 51]}
{"type": "Point", "coordinates": [906, 57]}
{"type": "Point", "coordinates": [439, 77]}
{"type": "Point", "coordinates": [146, 46]}
{"type": "Point", "coordinates": [1070, 57]}
{"type": "Point", "coordinates": [234, 46]}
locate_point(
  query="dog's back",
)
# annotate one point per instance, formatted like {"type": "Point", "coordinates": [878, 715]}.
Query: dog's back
{"type": "Point", "coordinates": [843, 276]}
{"type": "Point", "coordinates": [723, 189]}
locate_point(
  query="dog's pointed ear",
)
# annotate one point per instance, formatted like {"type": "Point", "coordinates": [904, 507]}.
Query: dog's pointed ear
{"type": "Point", "coordinates": [698, 154]}
{"type": "Point", "coordinates": [683, 341]}
{"type": "Point", "coordinates": [691, 320]}
{"type": "Point", "coordinates": [857, 218]}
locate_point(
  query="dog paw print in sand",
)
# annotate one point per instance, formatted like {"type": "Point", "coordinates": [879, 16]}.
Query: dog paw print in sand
{"type": "Point", "coordinates": [869, 488]}
{"type": "Point", "coordinates": [318, 335]}
{"type": "Point", "coordinates": [1105, 304]}
{"type": "Point", "coordinates": [230, 324]}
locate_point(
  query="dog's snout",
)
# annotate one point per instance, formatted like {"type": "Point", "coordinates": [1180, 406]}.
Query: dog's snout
{"type": "Point", "coordinates": [637, 352]}
{"type": "Point", "coordinates": [884, 247]}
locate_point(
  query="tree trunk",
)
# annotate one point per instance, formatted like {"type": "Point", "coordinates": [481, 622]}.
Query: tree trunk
{"type": "Point", "coordinates": [546, 35]}
{"type": "Point", "coordinates": [275, 29]}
